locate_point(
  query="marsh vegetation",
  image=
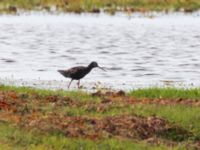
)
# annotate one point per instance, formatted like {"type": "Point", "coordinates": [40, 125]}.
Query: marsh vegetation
{"type": "Point", "coordinates": [95, 6]}
{"type": "Point", "coordinates": [152, 118]}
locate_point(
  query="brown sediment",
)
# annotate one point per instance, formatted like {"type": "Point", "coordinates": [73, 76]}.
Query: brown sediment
{"type": "Point", "coordinates": [121, 96]}
{"type": "Point", "coordinates": [4, 105]}
{"type": "Point", "coordinates": [12, 9]}
{"type": "Point", "coordinates": [25, 110]}
{"type": "Point", "coordinates": [124, 126]}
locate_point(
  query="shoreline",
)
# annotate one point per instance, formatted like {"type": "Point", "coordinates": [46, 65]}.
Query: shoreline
{"type": "Point", "coordinates": [144, 92]}
{"type": "Point", "coordinates": [92, 86]}
{"type": "Point", "coordinates": [148, 14]}
{"type": "Point", "coordinates": [96, 6]}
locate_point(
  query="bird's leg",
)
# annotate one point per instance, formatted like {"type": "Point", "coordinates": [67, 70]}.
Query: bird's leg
{"type": "Point", "coordinates": [70, 83]}
{"type": "Point", "coordinates": [78, 83]}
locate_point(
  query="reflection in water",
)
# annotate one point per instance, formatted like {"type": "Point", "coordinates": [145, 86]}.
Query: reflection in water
{"type": "Point", "coordinates": [140, 50]}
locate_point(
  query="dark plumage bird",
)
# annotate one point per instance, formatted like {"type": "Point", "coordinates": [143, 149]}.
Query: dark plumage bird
{"type": "Point", "coordinates": [76, 73]}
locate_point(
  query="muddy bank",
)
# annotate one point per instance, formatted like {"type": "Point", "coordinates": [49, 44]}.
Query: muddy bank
{"type": "Point", "coordinates": [121, 96]}
{"type": "Point", "coordinates": [44, 113]}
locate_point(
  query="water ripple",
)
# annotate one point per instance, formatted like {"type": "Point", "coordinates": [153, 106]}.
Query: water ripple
{"type": "Point", "coordinates": [140, 50]}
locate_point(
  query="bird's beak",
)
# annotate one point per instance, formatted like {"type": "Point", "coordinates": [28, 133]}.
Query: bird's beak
{"type": "Point", "coordinates": [102, 68]}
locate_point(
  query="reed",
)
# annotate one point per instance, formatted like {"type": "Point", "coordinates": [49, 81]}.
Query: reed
{"type": "Point", "coordinates": [94, 6]}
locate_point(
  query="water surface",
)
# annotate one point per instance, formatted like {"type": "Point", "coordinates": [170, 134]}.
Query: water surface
{"type": "Point", "coordinates": [137, 51]}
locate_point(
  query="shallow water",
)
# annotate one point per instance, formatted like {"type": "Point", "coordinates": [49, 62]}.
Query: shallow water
{"type": "Point", "coordinates": [137, 51]}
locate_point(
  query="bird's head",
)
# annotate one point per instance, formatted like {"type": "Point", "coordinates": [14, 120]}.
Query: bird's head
{"type": "Point", "coordinates": [94, 65]}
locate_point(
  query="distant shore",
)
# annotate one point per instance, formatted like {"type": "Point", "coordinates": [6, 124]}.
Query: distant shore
{"type": "Point", "coordinates": [97, 6]}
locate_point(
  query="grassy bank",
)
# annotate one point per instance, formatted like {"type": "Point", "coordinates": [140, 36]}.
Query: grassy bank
{"type": "Point", "coordinates": [94, 6]}
{"type": "Point", "coordinates": [153, 118]}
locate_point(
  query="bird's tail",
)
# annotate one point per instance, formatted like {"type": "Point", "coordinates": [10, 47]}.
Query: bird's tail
{"type": "Point", "coordinates": [63, 72]}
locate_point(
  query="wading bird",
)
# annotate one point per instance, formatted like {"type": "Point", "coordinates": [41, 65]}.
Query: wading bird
{"type": "Point", "coordinates": [76, 73]}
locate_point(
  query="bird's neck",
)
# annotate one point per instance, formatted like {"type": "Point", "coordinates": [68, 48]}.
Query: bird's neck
{"type": "Point", "coordinates": [89, 68]}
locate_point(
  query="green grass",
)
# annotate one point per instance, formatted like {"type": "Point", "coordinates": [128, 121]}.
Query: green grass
{"type": "Point", "coordinates": [84, 104]}
{"type": "Point", "coordinates": [43, 92]}
{"type": "Point", "coordinates": [15, 138]}
{"type": "Point", "coordinates": [154, 92]}
{"type": "Point", "coordinates": [110, 6]}
{"type": "Point", "coordinates": [173, 93]}
{"type": "Point", "coordinates": [186, 116]}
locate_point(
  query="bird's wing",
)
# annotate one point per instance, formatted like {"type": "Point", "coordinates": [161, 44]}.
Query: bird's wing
{"type": "Point", "coordinates": [75, 70]}
{"type": "Point", "coordinates": [72, 71]}
{"type": "Point", "coordinates": [64, 73]}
